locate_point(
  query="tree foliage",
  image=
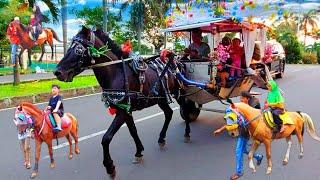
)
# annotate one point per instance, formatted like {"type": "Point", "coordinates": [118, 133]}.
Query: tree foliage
{"type": "Point", "coordinates": [9, 10]}
{"type": "Point", "coordinates": [93, 17]}
{"type": "Point", "coordinates": [289, 40]}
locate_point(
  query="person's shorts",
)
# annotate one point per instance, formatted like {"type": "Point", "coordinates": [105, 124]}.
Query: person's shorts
{"type": "Point", "coordinates": [60, 113]}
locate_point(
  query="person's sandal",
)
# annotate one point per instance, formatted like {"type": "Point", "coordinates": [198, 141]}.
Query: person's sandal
{"type": "Point", "coordinates": [235, 176]}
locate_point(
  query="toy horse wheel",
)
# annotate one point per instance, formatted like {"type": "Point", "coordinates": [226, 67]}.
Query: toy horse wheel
{"type": "Point", "coordinates": [188, 110]}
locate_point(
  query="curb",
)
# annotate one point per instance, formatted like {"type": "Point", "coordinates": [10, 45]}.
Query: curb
{"type": "Point", "coordinates": [43, 79]}
{"type": "Point", "coordinates": [44, 97]}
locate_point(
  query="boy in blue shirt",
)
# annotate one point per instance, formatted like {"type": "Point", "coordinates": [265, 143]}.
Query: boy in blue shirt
{"type": "Point", "coordinates": [56, 106]}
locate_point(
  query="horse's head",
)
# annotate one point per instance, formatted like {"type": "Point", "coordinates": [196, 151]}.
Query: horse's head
{"type": "Point", "coordinates": [83, 52]}
{"type": "Point", "coordinates": [231, 119]}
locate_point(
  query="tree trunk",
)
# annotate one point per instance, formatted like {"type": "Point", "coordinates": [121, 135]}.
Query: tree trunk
{"type": "Point", "coordinates": [140, 21]}
{"type": "Point", "coordinates": [105, 15]}
{"type": "Point", "coordinates": [64, 25]}
{"type": "Point", "coordinates": [16, 73]}
{"type": "Point", "coordinates": [139, 37]}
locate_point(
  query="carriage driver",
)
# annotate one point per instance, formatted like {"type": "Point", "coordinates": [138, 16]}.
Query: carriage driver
{"type": "Point", "coordinates": [197, 49]}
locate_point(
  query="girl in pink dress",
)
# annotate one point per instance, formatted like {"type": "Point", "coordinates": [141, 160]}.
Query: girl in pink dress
{"type": "Point", "coordinates": [236, 52]}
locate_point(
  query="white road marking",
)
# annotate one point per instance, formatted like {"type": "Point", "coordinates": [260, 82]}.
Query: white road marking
{"type": "Point", "coordinates": [103, 131]}
{"type": "Point", "coordinates": [65, 99]}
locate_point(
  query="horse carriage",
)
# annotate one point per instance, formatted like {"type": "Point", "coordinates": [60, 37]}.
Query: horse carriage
{"type": "Point", "coordinates": [206, 69]}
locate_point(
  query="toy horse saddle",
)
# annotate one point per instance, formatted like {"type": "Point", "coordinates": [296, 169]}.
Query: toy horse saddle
{"type": "Point", "coordinates": [285, 117]}
{"type": "Point", "coordinates": [65, 121]}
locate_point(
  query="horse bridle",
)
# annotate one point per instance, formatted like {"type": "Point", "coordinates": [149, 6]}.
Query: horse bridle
{"type": "Point", "coordinates": [80, 50]}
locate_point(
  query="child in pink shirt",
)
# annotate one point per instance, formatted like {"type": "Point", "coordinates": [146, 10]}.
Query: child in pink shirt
{"type": "Point", "coordinates": [236, 52]}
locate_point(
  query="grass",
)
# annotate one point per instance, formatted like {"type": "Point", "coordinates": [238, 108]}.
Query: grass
{"type": "Point", "coordinates": [44, 86]}
{"type": "Point", "coordinates": [47, 66]}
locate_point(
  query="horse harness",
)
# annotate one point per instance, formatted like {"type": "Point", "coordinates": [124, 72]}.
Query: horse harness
{"type": "Point", "coordinates": [138, 65]}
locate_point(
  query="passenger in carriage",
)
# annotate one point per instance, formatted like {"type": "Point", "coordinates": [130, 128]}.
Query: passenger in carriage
{"type": "Point", "coordinates": [224, 57]}
{"type": "Point", "coordinates": [236, 54]}
{"type": "Point", "coordinates": [197, 49]}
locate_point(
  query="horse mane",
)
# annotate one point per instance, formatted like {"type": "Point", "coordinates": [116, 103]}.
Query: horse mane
{"type": "Point", "coordinates": [31, 107]}
{"type": "Point", "coordinates": [115, 48]}
{"type": "Point", "coordinates": [245, 107]}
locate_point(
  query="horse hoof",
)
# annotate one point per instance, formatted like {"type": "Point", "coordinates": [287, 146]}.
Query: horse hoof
{"type": "Point", "coordinates": [113, 174]}
{"type": "Point", "coordinates": [269, 170]}
{"type": "Point", "coordinates": [70, 156]}
{"type": "Point", "coordinates": [52, 165]}
{"type": "Point", "coordinates": [34, 175]}
{"type": "Point", "coordinates": [137, 160]}
{"type": "Point", "coordinates": [284, 162]}
{"type": "Point", "coordinates": [162, 145]}
{"type": "Point", "coordinates": [77, 151]}
{"type": "Point", "coordinates": [300, 156]}
{"type": "Point", "coordinates": [187, 140]}
{"type": "Point", "coordinates": [253, 170]}
{"type": "Point", "coordinates": [28, 166]}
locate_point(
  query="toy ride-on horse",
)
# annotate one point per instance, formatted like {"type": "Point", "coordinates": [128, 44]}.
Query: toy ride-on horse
{"type": "Point", "coordinates": [43, 130]}
{"type": "Point", "coordinates": [261, 132]}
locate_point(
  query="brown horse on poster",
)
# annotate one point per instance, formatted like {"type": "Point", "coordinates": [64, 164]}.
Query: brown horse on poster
{"type": "Point", "coordinates": [26, 42]}
{"type": "Point", "coordinates": [261, 133]}
{"type": "Point", "coordinates": [43, 133]}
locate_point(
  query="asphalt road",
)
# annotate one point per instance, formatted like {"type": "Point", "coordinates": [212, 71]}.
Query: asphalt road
{"type": "Point", "coordinates": [207, 157]}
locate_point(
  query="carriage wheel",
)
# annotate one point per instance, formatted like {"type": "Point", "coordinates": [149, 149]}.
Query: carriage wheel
{"type": "Point", "coordinates": [188, 110]}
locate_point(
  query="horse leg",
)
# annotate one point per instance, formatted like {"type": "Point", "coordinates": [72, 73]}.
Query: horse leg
{"type": "Point", "coordinates": [74, 134]}
{"type": "Point", "coordinates": [29, 58]}
{"type": "Point", "coordinates": [106, 140]}
{"type": "Point", "coordinates": [300, 140]}
{"type": "Point", "coordinates": [51, 45]}
{"type": "Point", "coordinates": [42, 52]}
{"type": "Point", "coordinates": [37, 158]}
{"type": "Point", "coordinates": [133, 132]}
{"type": "Point", "coordinates": [49, 144]}
{"type": "Point", "coordinates": [253, 149]}
{"type": "Point", "coordinates": [19, 58]}
{"type": "Point", "coordinates": [267, 144]}
{"type": "Point", "coordinates": [286, 157]}
{"type": "Point", "coordinates": [168, 116]}
{"type": "Point", "coordinates": [187, 132]}
{"type": "Point", "coordinates": [70, 156]}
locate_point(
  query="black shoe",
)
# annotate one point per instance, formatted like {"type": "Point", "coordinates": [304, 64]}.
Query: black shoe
{"type": "Point", "coordinates": [259, 160]}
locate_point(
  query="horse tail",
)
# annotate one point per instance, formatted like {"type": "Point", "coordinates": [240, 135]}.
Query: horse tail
{"type": "Point", "coordinates": [55, 36]}
{"type": "Point", "coordinates": [308, 122]}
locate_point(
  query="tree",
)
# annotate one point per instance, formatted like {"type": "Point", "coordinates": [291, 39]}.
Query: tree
{"type": "Point", "coordinates": [146, 15]}
{"type": "Point", "coordinates": [53, 8]}
{"type": "Point", "coordinates": [63, 4]}
{"type": "Point", "coordinates": [290, 20]}
{"type": "Point", "coordinates": [289, 40]}
{"type": "Point", "coordinates": [309, 19]}
{"type": "Point", "coordinates": [93, 18]}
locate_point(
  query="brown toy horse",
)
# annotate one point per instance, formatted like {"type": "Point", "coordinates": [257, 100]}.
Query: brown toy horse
{"type": "Point", "coordinates": [261, 133]}
{"type": "Point", "coordinates": [26, 42]}
{"type": "Point", "coordinates": [43, 133]}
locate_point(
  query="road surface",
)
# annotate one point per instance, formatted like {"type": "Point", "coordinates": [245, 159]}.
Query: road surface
{"type": "Point", "coordinates": [207, 157]}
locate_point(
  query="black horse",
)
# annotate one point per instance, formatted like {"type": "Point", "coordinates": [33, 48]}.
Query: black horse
{"type": "Point", "coordinates": [118, 76]}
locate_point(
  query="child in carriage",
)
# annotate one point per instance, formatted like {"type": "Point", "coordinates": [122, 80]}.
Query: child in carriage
{"type": "Point", "coordinates": [236, 53]}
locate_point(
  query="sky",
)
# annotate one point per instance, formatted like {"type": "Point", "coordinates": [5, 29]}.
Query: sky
{"type": "Point", "coordinates": [74, 24]}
